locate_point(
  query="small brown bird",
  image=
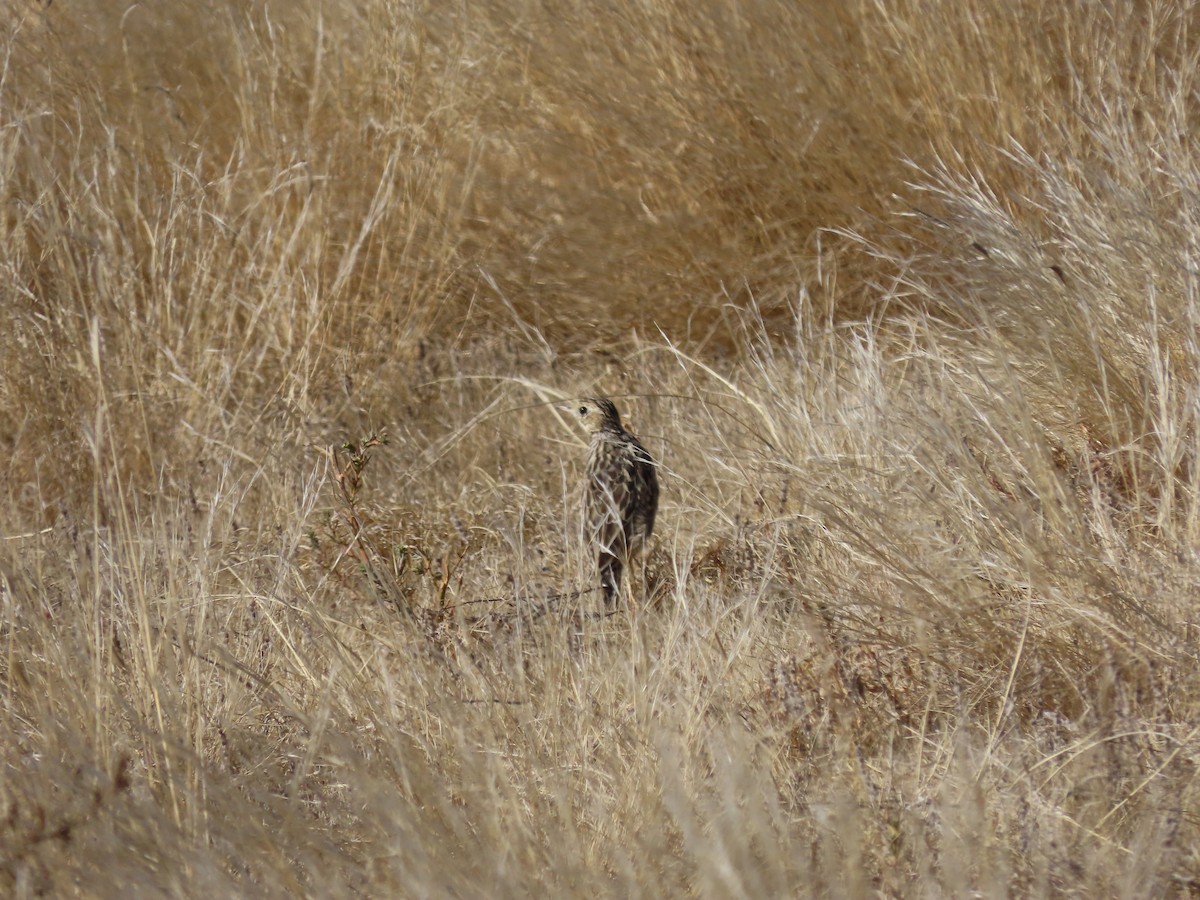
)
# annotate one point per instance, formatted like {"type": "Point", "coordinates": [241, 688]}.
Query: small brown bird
{"type": "Point", "coordinates": [622, 492]}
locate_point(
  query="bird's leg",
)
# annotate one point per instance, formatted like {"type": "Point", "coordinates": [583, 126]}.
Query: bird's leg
{"type": "Point", "coordinates": [610, 578]}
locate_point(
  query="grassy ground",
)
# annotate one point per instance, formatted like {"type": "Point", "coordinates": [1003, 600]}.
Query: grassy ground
{"type": "Point", "coordinates": [903, 297]}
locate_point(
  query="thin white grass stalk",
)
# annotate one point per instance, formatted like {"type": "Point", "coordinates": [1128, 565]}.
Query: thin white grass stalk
{"type": "Point", "coordinates": [384, 195]}
{"type": "Point", "coordinates": [1185, 744]}
{"type": "Point", "coordinates": [1071, 753]}
{"type": "Point", "coordinates": [763, 415]}
{"type": "Point", "coordinates": [1002, 706]}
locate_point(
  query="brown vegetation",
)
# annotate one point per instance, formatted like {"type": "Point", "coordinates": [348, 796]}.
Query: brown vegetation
{"type": "Point", "coordinates": [903, 296]}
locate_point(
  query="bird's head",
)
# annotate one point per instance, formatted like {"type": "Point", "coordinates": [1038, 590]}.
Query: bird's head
{"type": "Point", "coordinates": [596, 414]}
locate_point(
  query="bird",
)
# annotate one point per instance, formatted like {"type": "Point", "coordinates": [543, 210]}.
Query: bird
{"type": "Point", "coordinates": [621, 495]}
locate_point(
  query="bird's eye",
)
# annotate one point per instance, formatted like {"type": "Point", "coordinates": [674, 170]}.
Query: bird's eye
{"type": "Point", "coordinates": [583, 410]}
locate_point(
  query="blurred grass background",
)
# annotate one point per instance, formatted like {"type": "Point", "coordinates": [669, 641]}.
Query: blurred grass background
{"type": "Point", "coordinates": [292, 593]}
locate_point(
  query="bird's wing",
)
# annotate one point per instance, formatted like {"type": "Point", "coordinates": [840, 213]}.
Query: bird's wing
{"type": "Point", "coordinates": [645, 490]}
{"type": "Point", "coordinates": [608, 497]}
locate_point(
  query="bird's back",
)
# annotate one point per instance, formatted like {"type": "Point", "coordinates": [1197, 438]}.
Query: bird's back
{"type": "Point", "coordinates": [623, 490]}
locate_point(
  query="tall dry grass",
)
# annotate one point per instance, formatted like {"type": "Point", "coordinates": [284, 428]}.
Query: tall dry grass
{"type": "Point", "coordinates": [292, 589]}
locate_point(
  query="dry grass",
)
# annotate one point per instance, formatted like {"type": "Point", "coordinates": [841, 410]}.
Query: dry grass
{"type": "Point", "coordinates": [903, 296]}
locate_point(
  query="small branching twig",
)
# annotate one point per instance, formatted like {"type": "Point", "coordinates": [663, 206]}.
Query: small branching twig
{"type": "Point", "coordinates": [348, 462]}
{"type": "Point", "coordinates": [349, 475]}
